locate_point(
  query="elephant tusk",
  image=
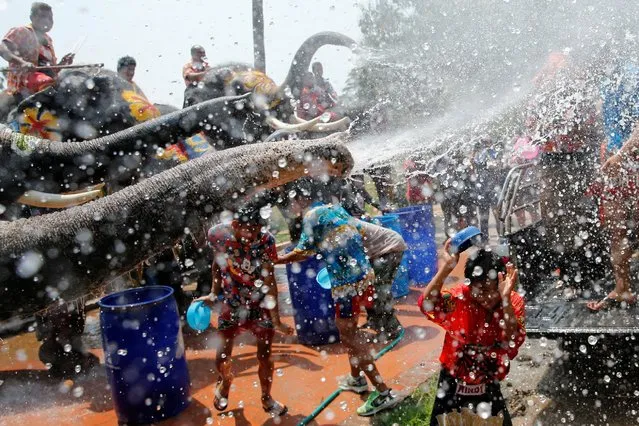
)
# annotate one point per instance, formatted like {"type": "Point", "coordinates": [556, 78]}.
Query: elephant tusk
{"type": "Point", "coordinates": [279, 125]}
{"type": "Point", "coordinates": [298, 120]}
{"type": "Point", "coordinates": [334, 126]}
{"type": "Point", "coordinates": [58, 201]}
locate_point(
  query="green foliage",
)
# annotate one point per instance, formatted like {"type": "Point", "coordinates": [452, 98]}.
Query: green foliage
{"type": "Point", "coordinates": [414, 410]}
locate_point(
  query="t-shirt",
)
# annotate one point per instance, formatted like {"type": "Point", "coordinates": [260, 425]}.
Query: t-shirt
{"type": "Point", "coordinates": [334, 234]}
{"type": "Point", "coordinates": [379, 241]}
{"type": "Point", "coordinates": [24, 42]}
{"type": "Point", "coordinates": [620, 107]}
{"type": "Point", "coordinates": [472, 349]}
{"type": "Point", "coordinates": [241, 265]}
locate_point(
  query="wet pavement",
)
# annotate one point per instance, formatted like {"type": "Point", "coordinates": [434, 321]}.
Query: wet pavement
{"type": "Point", "coordinates": [304, 377]}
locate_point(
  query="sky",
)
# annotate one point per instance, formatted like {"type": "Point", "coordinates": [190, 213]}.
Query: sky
{"type": "Point", "coordinates": [160, 33]}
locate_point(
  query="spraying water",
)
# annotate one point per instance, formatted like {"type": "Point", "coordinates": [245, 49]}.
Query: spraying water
{"type": "Point", "coordinates": [452, 71]}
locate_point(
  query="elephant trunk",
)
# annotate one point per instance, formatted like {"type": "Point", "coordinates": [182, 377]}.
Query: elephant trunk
{"type": "Point", "coordinates": [28, 156]}
{"type": "Point", "coordinates": [304, 55]}
{"type": "Point", "coordinates": [68, 253]}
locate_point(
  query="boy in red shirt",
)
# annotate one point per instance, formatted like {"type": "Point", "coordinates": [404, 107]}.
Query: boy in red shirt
{"type": "Point", "coordinates": [484, 322]}
{"type": "Point", "coordinates": [244, 281]}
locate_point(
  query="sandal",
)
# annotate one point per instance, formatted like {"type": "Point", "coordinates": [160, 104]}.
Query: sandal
{"type": "Point", "coordinates": [608, 303]}
{"type": "Point", "coordinates": [220, 402]}
{"type": "Point", "coordinates": [276, 410]}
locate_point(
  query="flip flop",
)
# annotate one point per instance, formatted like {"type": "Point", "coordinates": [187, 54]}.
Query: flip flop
{"type": "Point", "coordinates": [220, 402]}
{"type": "Point", "coordinates": [276, 410]}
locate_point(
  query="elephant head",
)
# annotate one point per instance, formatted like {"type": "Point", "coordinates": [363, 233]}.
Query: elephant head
{"type": "Point", "coordinates": [66, 254]}
{"type": "Point", "coordinates": [272, 107]}
{"type": "Point", "coordinates": [83, 104]}
{"type": "Point", "coordinates": [34, 164]}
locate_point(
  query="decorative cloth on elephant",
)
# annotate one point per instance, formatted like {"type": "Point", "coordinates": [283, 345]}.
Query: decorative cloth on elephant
{"type": "Point", "coordinates": [24, 42]}
{"type": "Point", "coordinates": [329, 230]}
{"type": "Point", "coordinates": [241, 265]}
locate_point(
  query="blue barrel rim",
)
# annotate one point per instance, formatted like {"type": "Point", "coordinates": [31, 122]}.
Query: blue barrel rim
{"type": "Point", "coordinates": [103, 305]}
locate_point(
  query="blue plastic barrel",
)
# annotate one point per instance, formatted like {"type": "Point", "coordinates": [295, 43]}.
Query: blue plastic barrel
{"type": "Point", "coordinates": [144, 354]}
{"type": "Point", "coordinates": [418, 231]}
{"type": "Point", "coordinates": [313, 308]}
{"type": "Point", "coordinates": [399, 287]}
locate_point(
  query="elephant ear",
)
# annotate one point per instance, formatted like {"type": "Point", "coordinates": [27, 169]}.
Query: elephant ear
{"type": "Point", "coordinates": [40, 116]}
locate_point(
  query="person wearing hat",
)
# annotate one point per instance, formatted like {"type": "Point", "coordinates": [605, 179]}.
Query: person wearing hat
{"type": "Point", "coordinates": [244, 283]}
{"type": "Point", "coordinates": [484, 323]}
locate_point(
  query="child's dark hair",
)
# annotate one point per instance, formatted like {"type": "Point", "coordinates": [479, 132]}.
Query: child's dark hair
{"type": "Point", "coordinates": [483, 265]}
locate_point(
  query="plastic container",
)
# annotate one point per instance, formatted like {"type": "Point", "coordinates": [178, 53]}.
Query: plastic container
{"type": "Point", "coordinates": [144, 354]}
{"type": "Point", "coordinates": [418, 231]}
{"type": "Point", "coordinates": [323, 279]}
{"type": "Point", "coordinates": [313, 308]}
{"type": "Point", "coordinates": [464, 239]}
{"type": "Point", "coordinates": [198, 316]}
{"type": "Point", "coordinates": [400, 284]}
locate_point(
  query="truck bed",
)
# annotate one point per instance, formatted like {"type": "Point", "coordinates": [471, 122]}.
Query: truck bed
{"type": "Point", "coordinates": [550, 314]}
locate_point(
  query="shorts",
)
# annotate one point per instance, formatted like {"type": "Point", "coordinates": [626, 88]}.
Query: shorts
{"type": "Point", "coordinates": [350, 306]}
{"type": "Point", "coordinates": [452, 395]}
{"type": "Point", "coordinates": [233, 322]}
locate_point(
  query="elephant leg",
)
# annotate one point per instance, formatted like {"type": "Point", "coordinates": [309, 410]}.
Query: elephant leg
{"type": "Point", "coordinates": [60, 331]}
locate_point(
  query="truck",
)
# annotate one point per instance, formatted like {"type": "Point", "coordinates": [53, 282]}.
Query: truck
{"type": "Point", "coordinates": [558, 279]}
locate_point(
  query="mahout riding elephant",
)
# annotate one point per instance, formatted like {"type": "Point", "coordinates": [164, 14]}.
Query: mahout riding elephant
{"type": "Point", "coordinates": [63, 256]}
{"type": "Point", "coordinates": [275, 103]}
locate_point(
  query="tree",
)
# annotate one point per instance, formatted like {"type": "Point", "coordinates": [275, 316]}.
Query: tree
{"type": "Point", "coordinates": [423, 55]}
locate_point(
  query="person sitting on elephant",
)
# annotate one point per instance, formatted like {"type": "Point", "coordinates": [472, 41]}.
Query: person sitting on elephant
{"type": "Point", "coordinates": [194, 71]}
{"type": "Point", "coordinates": [28, 47]}
{"type": "Point", "coordinates": [244, 281]}
{"type": "Point", "coordinates": [310, 104]}
{"type": "Point", "coordinates": [126, 71]}
{"type": "Point", "coordinates": [328, 95]}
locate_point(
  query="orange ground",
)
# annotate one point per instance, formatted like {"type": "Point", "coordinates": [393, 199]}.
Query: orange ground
{"type": "Point", "coordinates": [305, 377]}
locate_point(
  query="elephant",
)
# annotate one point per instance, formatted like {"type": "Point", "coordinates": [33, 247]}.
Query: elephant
{"type": "Point", "coordinates": [83, 104]}
{"type": "Point", "coordinates": [52, 167]}
{"type": "Point", "coordinates": [274, 103]}
{"type": "Point", "coordinates": [67, 254]}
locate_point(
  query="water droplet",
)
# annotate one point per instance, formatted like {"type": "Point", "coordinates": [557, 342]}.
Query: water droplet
{"type": "Point", "coordinates": [329, 414]}
{"type": "Point", "coordinates": [122, 352]}
{"type": "Point", "coordinates": [543, 342]}
{"type": "Point", "coordinates": [148, 402]}
{"type": "Point", "coordinates": [78, 391]}
{"type": "Point", "coordinates": [463, 209]}
{"type": "Point", "coordinates": [67, 347]}
{"type": "Point", "coordinates": [583, 349]}
{"type": "Point", "coordinates": [606, 378]}
{"type": "Point", "coordinates": [266, 211]}
{"type": "Point", "coordinates": [592, 340]}
{"type": "Point", "coordinates": [279, 372]}
{"type": "Point", "coordinates": [282, 162]}
{"type": "Point", "coordinates": [188, 263]}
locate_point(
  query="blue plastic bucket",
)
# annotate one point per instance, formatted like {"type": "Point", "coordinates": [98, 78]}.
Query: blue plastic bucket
{"type": "Point", "coordinates": [418, 231]}
{"type": "Point", "coordinates": [144, 354]}
{"type": "Point", "coordinates": [313, 308]}
{"type": "Point", "coordinates": [400, 284]}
